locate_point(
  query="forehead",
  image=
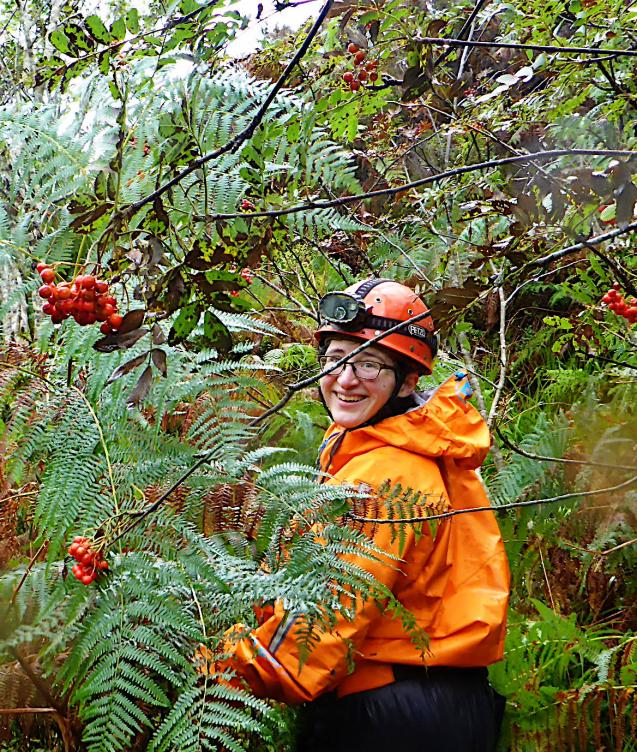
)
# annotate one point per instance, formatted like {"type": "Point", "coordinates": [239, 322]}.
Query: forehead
{"type": "Point", "coordinates": [342, 346]}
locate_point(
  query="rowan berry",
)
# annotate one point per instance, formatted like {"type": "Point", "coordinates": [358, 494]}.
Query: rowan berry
{"type": "Point", "coordinates": [115, 320]}
{"type": "Point", "coordinates": [44, 291]}
{"type": "Point", "coordinates": [353, 48]}
{"type": "Point", "coordinates": [41, 267]}
{"type": "Point", "coordinates": [348, 77]}
{"type": "Point", "coordinates": [355, 85]}
{"type": "Point", "coordinates": [359, 57]}
{"type": "Point", "coordinates": [47, 274]}
{"type": "Point", "coordinates": [105, 328]}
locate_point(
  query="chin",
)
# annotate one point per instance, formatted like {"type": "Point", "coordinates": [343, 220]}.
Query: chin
{"type": "Point", "coordinates": [349, 418]}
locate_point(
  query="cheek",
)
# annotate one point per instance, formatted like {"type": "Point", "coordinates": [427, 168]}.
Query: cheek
{"type": "Point", "coordinates": [323, 384]}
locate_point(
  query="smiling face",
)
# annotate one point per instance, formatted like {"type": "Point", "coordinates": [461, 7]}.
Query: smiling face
{"type": "Point", "coordinates": [351, 400]}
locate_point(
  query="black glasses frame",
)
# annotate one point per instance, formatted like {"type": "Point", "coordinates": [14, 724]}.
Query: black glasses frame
{"type": "Point", "coordinates": [323, 360]}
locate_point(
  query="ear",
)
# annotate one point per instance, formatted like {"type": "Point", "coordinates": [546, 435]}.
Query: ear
{"type": "Point", "coordinates": [409, 384]}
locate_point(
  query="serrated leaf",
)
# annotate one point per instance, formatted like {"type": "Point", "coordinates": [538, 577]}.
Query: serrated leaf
{"type": "Point", "coordinates": [125, 368]}
{"type": "Point", "coordinates": [158, 335]}
{"type": "Point", "coordinates": [97, 30]}
{"type": "Point", "coordinates": [60, 41]}
{"type": "Point", "coordinates": [118, 29]}
{"type": "Point", "coordinates": [159, 359]}
{"type": "Point", "coordinates": [141, 388]}
{"type": "Point", "coordinates": [216, 332]}
{"type": "Point", "coordinates": [132, 320]}
{"type": "Point", "coordinates": [132, 20]}
{"type": "Point", "coordinates": [185, 322]}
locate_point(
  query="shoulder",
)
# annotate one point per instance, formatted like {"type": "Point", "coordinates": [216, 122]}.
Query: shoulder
{"type": "Point", "coordinates": [391, 465]}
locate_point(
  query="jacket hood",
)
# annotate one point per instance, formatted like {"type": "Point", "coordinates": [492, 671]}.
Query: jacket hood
{"type": "Point", "coordinates": [443, 423]}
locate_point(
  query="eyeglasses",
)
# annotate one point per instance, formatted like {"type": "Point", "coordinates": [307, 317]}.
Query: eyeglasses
{"type": "Point", "coordinates": [367, 370]}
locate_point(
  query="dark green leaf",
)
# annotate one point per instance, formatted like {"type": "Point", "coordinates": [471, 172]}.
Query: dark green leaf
{"type": "Point", "coordinates": [185, 322]}
{"type": "Point", "coordinates": [118, 29]}
{"type": "Point", "coordinates": [132, 20]}
{"type": "Point", "coordinates": [60, 41]}
{"type": "Point", "coordinates": [97, 30]}
{"type": "Point", "coordinates": [216, 333]}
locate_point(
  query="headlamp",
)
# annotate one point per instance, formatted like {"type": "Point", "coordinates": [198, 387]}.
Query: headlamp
{"type": "Point", "coordinates": [342, 309]}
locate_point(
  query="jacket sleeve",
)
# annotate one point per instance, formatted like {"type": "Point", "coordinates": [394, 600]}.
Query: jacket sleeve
{"type": "Point", "coordinates": [268, 659]}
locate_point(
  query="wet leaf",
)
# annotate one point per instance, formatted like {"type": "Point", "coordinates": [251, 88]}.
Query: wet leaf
{"type": "Point", "coordinates": [119, 341]}
{"type": "Point", "coordinates": [159, 359]}
{"type": "Point", "coordinates": [141, 388]}
{"type": "Point", "coordinates": [132, 320]}
{"type": "Point", "coordinates": [158, 335]}
{"type": "Point", "coordinates": [626, 197]}
{"type": "Point", "coordinates": [84, 222]}
{"type": "Point", "coordinates": [125, 368]}
{"type": "Point", "coordinates": [216, 333]}
{"type": "Point", "coordinates": [184, 323]}
{"type": "Point", "coordinates": [97, 30]}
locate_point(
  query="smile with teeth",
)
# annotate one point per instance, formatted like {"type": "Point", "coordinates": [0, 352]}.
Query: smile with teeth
{"type": "Point", "coordinates": [351, 398]}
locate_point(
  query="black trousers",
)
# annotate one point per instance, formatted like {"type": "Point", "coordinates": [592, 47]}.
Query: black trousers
{"type": "Point", "coordinates": [424, 710]}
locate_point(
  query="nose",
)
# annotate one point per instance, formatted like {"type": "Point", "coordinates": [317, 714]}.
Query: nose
{"type": "Point", "coordinates": [347, 377]}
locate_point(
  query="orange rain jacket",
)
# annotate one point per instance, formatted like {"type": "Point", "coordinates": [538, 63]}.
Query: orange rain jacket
{"type": "Point", "coordinates": [456, 584]}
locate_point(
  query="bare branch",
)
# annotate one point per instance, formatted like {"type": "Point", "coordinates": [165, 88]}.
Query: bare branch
{"type": "Point", "coordinates": [503, 356]}
{"type": "Point", "coordinates": [498, 508]}
{"type": "Point", "coordinates": [561, 460]}
{"type": "Point", "coordinates": [544, 260]}
{"type": "Point", "coordinates": [343, 200]}
{"type": "Point", "coordinates": [438, 41]}
{"type": "Point", "coordinates": [461, 34]}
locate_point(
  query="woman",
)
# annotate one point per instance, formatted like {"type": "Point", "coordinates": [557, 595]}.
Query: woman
{"type": "Point", "coordinates": [455, 584]}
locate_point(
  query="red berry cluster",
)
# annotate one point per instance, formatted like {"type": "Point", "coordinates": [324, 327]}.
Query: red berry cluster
{"type": "Point", "coordinates": [617, 304]}
{"type": "Point", "coordinates": [247, 205]}
{"type": "Point", "coordinates": [365, 71]}
{"type": "Point", "coordinates": [89, 563]}
{"type": "Point", "coordinates": [246, 275]}
{"type": "Point", "coordinates": [86, 299]}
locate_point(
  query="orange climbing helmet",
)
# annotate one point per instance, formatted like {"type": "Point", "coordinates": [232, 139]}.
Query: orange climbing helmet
{"type": "Point", "coordinates": [365, 309]}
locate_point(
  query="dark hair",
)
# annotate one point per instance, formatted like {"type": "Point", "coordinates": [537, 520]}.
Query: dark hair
{"type": "Point", "coordinates": [395, 405]}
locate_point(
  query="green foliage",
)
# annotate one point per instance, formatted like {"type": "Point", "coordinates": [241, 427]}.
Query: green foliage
{"type": "Point", "coordinates": [98, 109]}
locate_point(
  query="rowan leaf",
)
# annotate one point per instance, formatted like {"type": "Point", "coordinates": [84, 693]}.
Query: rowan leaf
{"type": "Point", "coordinates": [159, 359]}
{"type": "Point", "coordinates": [141, 388]}
{"type": "Point", "coordinates": [125, 368]}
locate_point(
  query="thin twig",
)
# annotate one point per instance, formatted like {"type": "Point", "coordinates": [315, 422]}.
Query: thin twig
{"type": "Point", "coordinates": [560, 460]}
{"type": "Point", "coordinates": [343, 200]}
{"type": "Point", "coordinates": [498, 508]}
{"type": "Point", "coordinates": [29, 567]}
{"type": "Point", "coordinates": [503, 354]}
{"type": "Point", "coordinates": [465, 27]}
{"type": "Point", "coordinates": [441, 41]}
{"type": "Point", "coordinates": [544, 260]}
